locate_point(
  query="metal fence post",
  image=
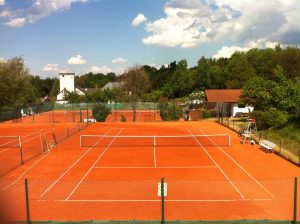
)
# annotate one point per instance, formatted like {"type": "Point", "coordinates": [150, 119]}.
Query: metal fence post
{"type": "Point", "coordinates": [27, 202]}
{"type": "Point", "coordinates": [295, 200]}
{"type": "Point", "coordinates": [162, 201]}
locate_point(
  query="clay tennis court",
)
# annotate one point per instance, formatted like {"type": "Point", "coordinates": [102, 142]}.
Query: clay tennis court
{"type": "Point", "coordinates": [111, 171]}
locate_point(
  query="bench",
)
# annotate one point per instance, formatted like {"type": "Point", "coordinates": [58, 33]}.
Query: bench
{"type": "Point", "coordinates": [88, 120]}
{"type": "Point", "coordinates": [267, 145]}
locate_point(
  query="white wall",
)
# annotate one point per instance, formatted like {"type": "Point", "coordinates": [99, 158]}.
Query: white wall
{"type": "Point", "coordinates": [236, 109]}
{"type": "Point", "coordinates": [67, 81]}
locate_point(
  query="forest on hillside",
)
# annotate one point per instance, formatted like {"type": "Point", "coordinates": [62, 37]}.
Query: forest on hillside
{"type": "Point", "coordinates": [270, 79]}
{"type": "Point", "coordinates": [173, 81]}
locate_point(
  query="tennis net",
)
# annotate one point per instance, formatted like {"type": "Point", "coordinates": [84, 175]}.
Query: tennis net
{"type": "Point", "coordinates": [154, 141]}
{"type": "Point", "coordinates": [10, 141]}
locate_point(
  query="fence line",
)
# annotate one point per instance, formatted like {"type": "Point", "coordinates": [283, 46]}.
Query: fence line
{"type": "Point", "coordinates": [285, 148]}
{"type": "Point", "coordinates": [152, 201]}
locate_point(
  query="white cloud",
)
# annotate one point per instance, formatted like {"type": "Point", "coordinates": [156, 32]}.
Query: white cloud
{"type": "Point", "coordinates": [2, 2]}
{"type": "Point", "coordinates": [226, 52]}
{"type": "Point", "coordinates": [190, 23]}
{"type": "Point", "coordinates": [5, 13]}
{"type": "Point", "coordinates": [16, 22]}
{"type": "Point", "coordinates": [42, 8]}
{"type": "Point", "coordinates": [119, 60]}
{"type": "Point", "coordinates": [77, 60]}
{"type": "Point", "coordinates": [103, 69]}
{"type": "Point", "coordinates": [140, 18]}
{"type": "Point", "coordinates": [50, 68]}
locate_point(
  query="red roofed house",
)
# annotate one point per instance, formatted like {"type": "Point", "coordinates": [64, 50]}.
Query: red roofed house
{"type": "Point", "coordinates": [225, 102]}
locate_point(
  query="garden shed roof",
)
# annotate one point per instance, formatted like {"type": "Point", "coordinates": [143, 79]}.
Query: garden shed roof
{"type": "Point", "coordinates": [223, 95]}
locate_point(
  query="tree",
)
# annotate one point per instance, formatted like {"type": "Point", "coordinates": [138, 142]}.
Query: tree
{"type": "Point", "coordinates": [137, 83]}
{"type": "Point", "coordinates": [238, 71]}
{"type": "Point", "coordinates": [15, 83]}
{"type": "Point", "coordinates": [274, 100]}
{"type": "Point", "coordinates": [182, 81]}
{"type": "Point", "coordinates": [72, 97]}
{"type": "Point", "coordinates": [54, 89]}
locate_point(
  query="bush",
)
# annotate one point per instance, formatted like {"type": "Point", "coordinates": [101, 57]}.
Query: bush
{"type": "Point", "coordinates": [270, 118]}
{"type": "Point", "coordinates": [100, 112]}
{"type": "Point", "coordinates": [168, 111]}
{"type": "Point", "coordinates": [123, 118]}
{"type": "Point", "coordinates": [206, 113]}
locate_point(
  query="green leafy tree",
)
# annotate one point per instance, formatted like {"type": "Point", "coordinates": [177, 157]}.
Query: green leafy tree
{"type": "Point", "coordinates": [72, 97]}
{"type": "Point", "coordinates": [15, 83]}
{"type": "Point", "coordinates": [238, 71]}
{"type": "Point", "coordinates": [100, 112]}
{"type": "Point", "coordinates": [137, 83]}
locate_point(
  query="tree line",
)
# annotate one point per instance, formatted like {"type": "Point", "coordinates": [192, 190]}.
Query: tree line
{"type": "Point", "coordinates": [175, 80]}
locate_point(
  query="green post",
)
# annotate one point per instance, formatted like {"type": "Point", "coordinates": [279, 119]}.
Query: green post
{"type": "Point", "coordinates": [80, 114]}
{"type": "Point", "coordinates": [162, 201]}
{"type": "Point", "coordinates": [27, 202]}
{"type": "Point", "coordinates": [295, 200]}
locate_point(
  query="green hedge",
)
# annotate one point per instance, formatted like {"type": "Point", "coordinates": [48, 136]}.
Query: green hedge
{"type": "Point", "coordinates": [169, 111]}
{"type": "Point", "coordinates": [100, 112]}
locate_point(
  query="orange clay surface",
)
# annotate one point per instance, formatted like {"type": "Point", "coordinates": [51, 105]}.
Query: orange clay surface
{"type": "Point", "coordinates": [121, 183]}
{"type": "Point", "coordinates": [141, 116]}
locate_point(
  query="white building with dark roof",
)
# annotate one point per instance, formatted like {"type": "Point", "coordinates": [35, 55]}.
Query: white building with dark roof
{"type": "Point", "coordinates": [67, 84]}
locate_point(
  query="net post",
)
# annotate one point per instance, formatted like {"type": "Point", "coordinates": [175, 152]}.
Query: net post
{"type": "Point", "coordinates": [21, 150]}
{"type": "Point", "coordinates": [295, 200]}
{"type": "Point", "coordinates": [162, 201]}
{"type": "Point", "coordinates": [80, 140]}
{"type": "Point", "coordinates": [27, 202]}
{"type": "Point", "coordinates": [54, 138]}
{"type": "Point", "coordinates": [229, 140]}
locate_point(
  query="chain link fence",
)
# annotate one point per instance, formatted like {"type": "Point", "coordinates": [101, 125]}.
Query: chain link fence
{"type": "Point", "coordinates": [79, 112]}
{"type": "Point", "coordinates": [286, 148]}
{"type": "Point", "coordinates": [34, 144]}
{"type": "Point", "coordinates": [151, 201]}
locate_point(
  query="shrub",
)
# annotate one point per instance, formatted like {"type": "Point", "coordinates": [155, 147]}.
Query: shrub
{"type": "Point", "coordinates": [100, 112]}
{"type": "Point", "coordinates": [123, 118]}
{"type": "Point", "coordinates": [270, 118]}
{"type": "Point", "coordinates": [169, 111]}
{"type": "Point", "coordinates": [206, 113]}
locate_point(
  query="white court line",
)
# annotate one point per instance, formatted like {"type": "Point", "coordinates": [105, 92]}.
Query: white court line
{"type": "Point", "coordinates": [97, 160]}
{"type": "Point", "coordinates": [154, 151]}
{"type": "Point", "coordinates": [157, 167]}
{"type": "Point", "coordinates": [166, 200]}
{"type": "Point", "coordinates": [55, 182]}
{"type": "Point", "coordinates": [253, 178]}
{"type": "Point", "coordinates": [217, 165]}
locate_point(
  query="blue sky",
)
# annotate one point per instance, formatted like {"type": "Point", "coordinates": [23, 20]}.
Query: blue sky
{"type": "Point", "coordinates": [111, 35]}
